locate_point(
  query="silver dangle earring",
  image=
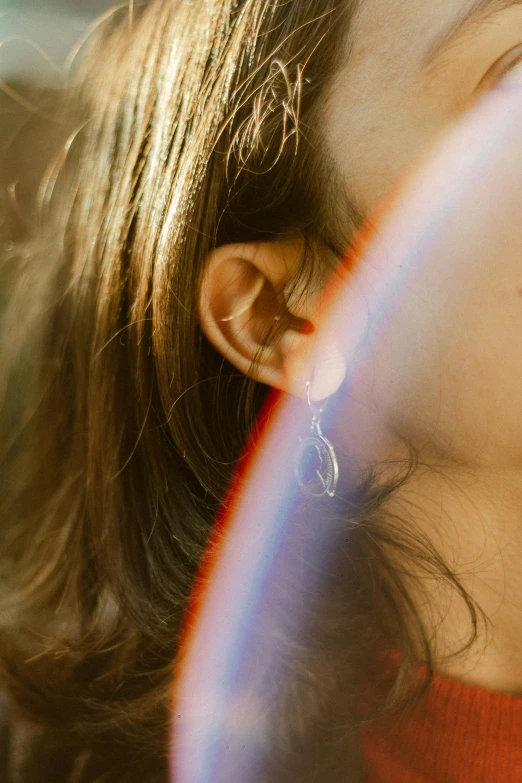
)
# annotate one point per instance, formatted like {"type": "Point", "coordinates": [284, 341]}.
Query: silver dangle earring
{"type": "Point", "coordinates": [316, 468]}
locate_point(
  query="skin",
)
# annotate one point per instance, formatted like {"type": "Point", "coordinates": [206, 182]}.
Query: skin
{"type": "Point", "coordinates": [446, 372]}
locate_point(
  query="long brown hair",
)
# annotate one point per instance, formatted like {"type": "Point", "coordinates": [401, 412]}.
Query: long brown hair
{"type": "Point", "coordinates": [196, 124]}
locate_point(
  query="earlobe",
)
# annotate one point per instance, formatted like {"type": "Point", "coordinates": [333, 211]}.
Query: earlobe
{"type": "Point", "coordinates": [241, 299]}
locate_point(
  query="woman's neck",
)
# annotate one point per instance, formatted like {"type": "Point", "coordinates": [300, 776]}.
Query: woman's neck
{"type": "Point", "coordinates": [473, 518]}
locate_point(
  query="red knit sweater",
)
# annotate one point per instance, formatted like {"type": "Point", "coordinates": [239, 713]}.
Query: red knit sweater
{"type": "Point", "coordinates": [457, 733]}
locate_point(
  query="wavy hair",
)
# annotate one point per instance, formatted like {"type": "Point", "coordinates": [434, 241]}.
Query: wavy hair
{"type": "Point", "coordinates": [195, 124]}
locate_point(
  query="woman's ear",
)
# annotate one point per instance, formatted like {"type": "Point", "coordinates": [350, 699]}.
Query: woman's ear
{"type": "Point", "coordinates": [243, 294]}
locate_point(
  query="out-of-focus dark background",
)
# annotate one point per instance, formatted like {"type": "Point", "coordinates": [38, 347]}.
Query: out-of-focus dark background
{"type": "Point", "coordinates": [38, 39]}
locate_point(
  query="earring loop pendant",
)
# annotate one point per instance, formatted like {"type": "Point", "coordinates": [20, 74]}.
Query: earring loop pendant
{"type": "Point", "coordinates": [316, 468]}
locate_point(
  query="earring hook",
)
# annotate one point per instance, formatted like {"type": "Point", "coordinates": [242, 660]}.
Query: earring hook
{"type": "Point", "coordinates": [317, 410]}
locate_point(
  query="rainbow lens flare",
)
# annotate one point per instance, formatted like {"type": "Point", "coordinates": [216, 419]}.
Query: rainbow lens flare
{"type": "Point", "coordinates": [228, 672]}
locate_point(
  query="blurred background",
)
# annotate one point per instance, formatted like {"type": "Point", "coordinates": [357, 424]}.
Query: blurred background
{"type": "Point", "coordinates": [51, 25]}
{"type": "Point", "coordinates": [38, 38]}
